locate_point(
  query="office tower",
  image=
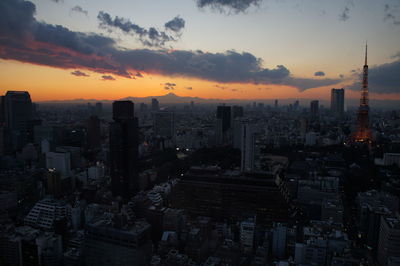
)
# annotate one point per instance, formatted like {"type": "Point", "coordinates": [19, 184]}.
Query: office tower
{"type": "Point", "coordinates": [337, 102]}
{"type": "Point", "coordinates": [17, 115]}
{"type": "Point", "coordinates": [93, 135]}
{"type": "Point", "coordinates": [296, 105]}
{"type": "Point", "coordinates": [123, 150]}
{"type": "Point", "coordinates": [115, 242]}
{"type": "Point", "coordinates": [155, 105]}
{"type": "Point", "coordinates": [224, 113]}
{"type": "Point", "coordinates": [237, 111]}
{"type": "Point", "coordinates": [389, 239]}
{"type": "Point", "coordinates": [276, 104]}
{"type": "Point", "coordinates": [314, 109]}
{"type": "Point", "coordinates": [223, 124]}
{"type": "Point", "coordinates": [164, 125]}
{"type": "Point", "coordinates": [363, 132]}
{"type": "Point", "coordinates": [247, 148]}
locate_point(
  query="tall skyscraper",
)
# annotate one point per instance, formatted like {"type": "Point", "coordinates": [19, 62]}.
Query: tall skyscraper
{"type": "Point", "coordinates": [124, 150]}
{"type": "Point", "coordinates": [314, 109]}
{"type": "Point", "coordinates": [17, 115]}
{"type": "Point", "coordinates": [247, 148]}
{"type": "Point", "coordinates": [155, 106]}
{"type": "Point", "coordinates": [93, 134]}
{"type": "Point", "coordinates": [224, 113]}
{"type": "Point", "coordinates": [164, 125]}
{"type": "Point", "coordinates": [223, 124]}
{"type": "Point", "coordinates": [337, 102]}
{"type": "Point", "coordinates": [363, 132]}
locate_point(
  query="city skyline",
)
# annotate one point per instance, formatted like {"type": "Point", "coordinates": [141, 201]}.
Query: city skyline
{"type": "Point", "coordinates": [193, 50]}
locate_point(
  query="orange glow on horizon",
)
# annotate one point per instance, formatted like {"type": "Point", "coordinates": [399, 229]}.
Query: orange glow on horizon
{"type": "Point", "coordinates": [48, 83]}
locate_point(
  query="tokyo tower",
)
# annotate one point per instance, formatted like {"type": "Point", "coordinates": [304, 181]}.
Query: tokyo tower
{"type": "Point", "coordinates": [363, 132]}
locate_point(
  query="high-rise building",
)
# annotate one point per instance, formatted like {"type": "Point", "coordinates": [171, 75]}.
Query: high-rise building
{"type": "Point", "coordinates": [93, 136]}
{"type": "Point", "coordinates": [363, 132]}
{"type": "Point", "coordinates": [155, 106]}
{"type": "Point", "coordinates": [224, 113]}
{"type": "Point", "coordinates": [247, 148]}
{"type": "Point", "coordinates": [337, 102]}
{"type": "Point", "coordinates": [124, 150]}
{"type": "Point", "coordinates": [17, 116]}
{"type": "Point", "coordinates": [279, 240]}
{"type": "Point", "coordinates": [164, 125]}
{"type": "Point", "coordinates": [223, 124]}
{"type": "Point", "coordinates": [314, 109]}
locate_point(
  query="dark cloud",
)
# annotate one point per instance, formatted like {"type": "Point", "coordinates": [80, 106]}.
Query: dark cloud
{"type": "Point", "coordinates": [228, 6]}
{"type": "Point", "coordinates": [345, 14]}
{"type": "Point", "coordinates": [79, 9]}
{"type": "Point", "coordinates": [381, 79]}
{"type": "Point", "coordinates": [169, 86]}
{"type": "Point", "coordinates": [176, 24]}
{"type": "Point", "coordinates": [189, 88]}
{"type": "Point", "coordinates": [107, 77]}
{"type": "Point", "coordinates": [79, 73]}
{"type": "Point", "coordinates": [139, 75]}
{"type": "Point", "coordinates": [148, 37]}
{"type": "Point", "coordinates": [24, 39]}
{"type": "Point", "coordinates": [319, 74]}
{"type": "Point", "coordinates": [341, 76]}
{"type": "Point", "coordinates": [57, 1]}
{"type": "Point", "coordinates": [391, 14]}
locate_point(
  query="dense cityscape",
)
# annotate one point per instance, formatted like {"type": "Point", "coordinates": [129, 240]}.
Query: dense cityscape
{"type": "Point", "coordinates": [199, 133]}
{"type": "Point", "coordinates": [186, 184]}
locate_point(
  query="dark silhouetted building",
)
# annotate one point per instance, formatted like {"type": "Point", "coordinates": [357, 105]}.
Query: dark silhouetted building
{"type": "Point", "coordinates": [314, 109]}
{"type": "Point", "coordinates": [337, 102]}
{"type": "Point", "coordinates": [17, 117]}
{"type": "Point", "coordinates": [123, 150]}
{"type": "Point", "coordinates": [93, 133]}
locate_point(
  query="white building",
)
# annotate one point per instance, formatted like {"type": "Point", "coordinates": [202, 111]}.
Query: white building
{"type": "Point", "coordinates": [46, 212]}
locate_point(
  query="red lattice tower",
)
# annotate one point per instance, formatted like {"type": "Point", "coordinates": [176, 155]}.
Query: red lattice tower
{"type": "Point", "coordinates": [363, 133]}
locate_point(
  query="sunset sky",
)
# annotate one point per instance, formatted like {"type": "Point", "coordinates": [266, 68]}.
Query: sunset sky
{"type": "Point", "coordinates": [228, 49]}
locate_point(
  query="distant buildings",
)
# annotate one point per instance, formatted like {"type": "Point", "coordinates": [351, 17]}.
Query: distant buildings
{"type": "Point", "coordinates": [389, 240]}
{"type": "Point", "coordinates": [337, 102]}
{"type": "Point", "coordinates": [124, 150]}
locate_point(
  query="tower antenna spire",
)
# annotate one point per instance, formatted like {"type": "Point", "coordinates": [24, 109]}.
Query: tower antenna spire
{"type": "Point", "coordinates": [366, 52]}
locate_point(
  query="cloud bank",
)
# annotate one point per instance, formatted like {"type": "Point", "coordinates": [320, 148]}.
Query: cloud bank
{"type": "Point", "coordinates": [25, 39]}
